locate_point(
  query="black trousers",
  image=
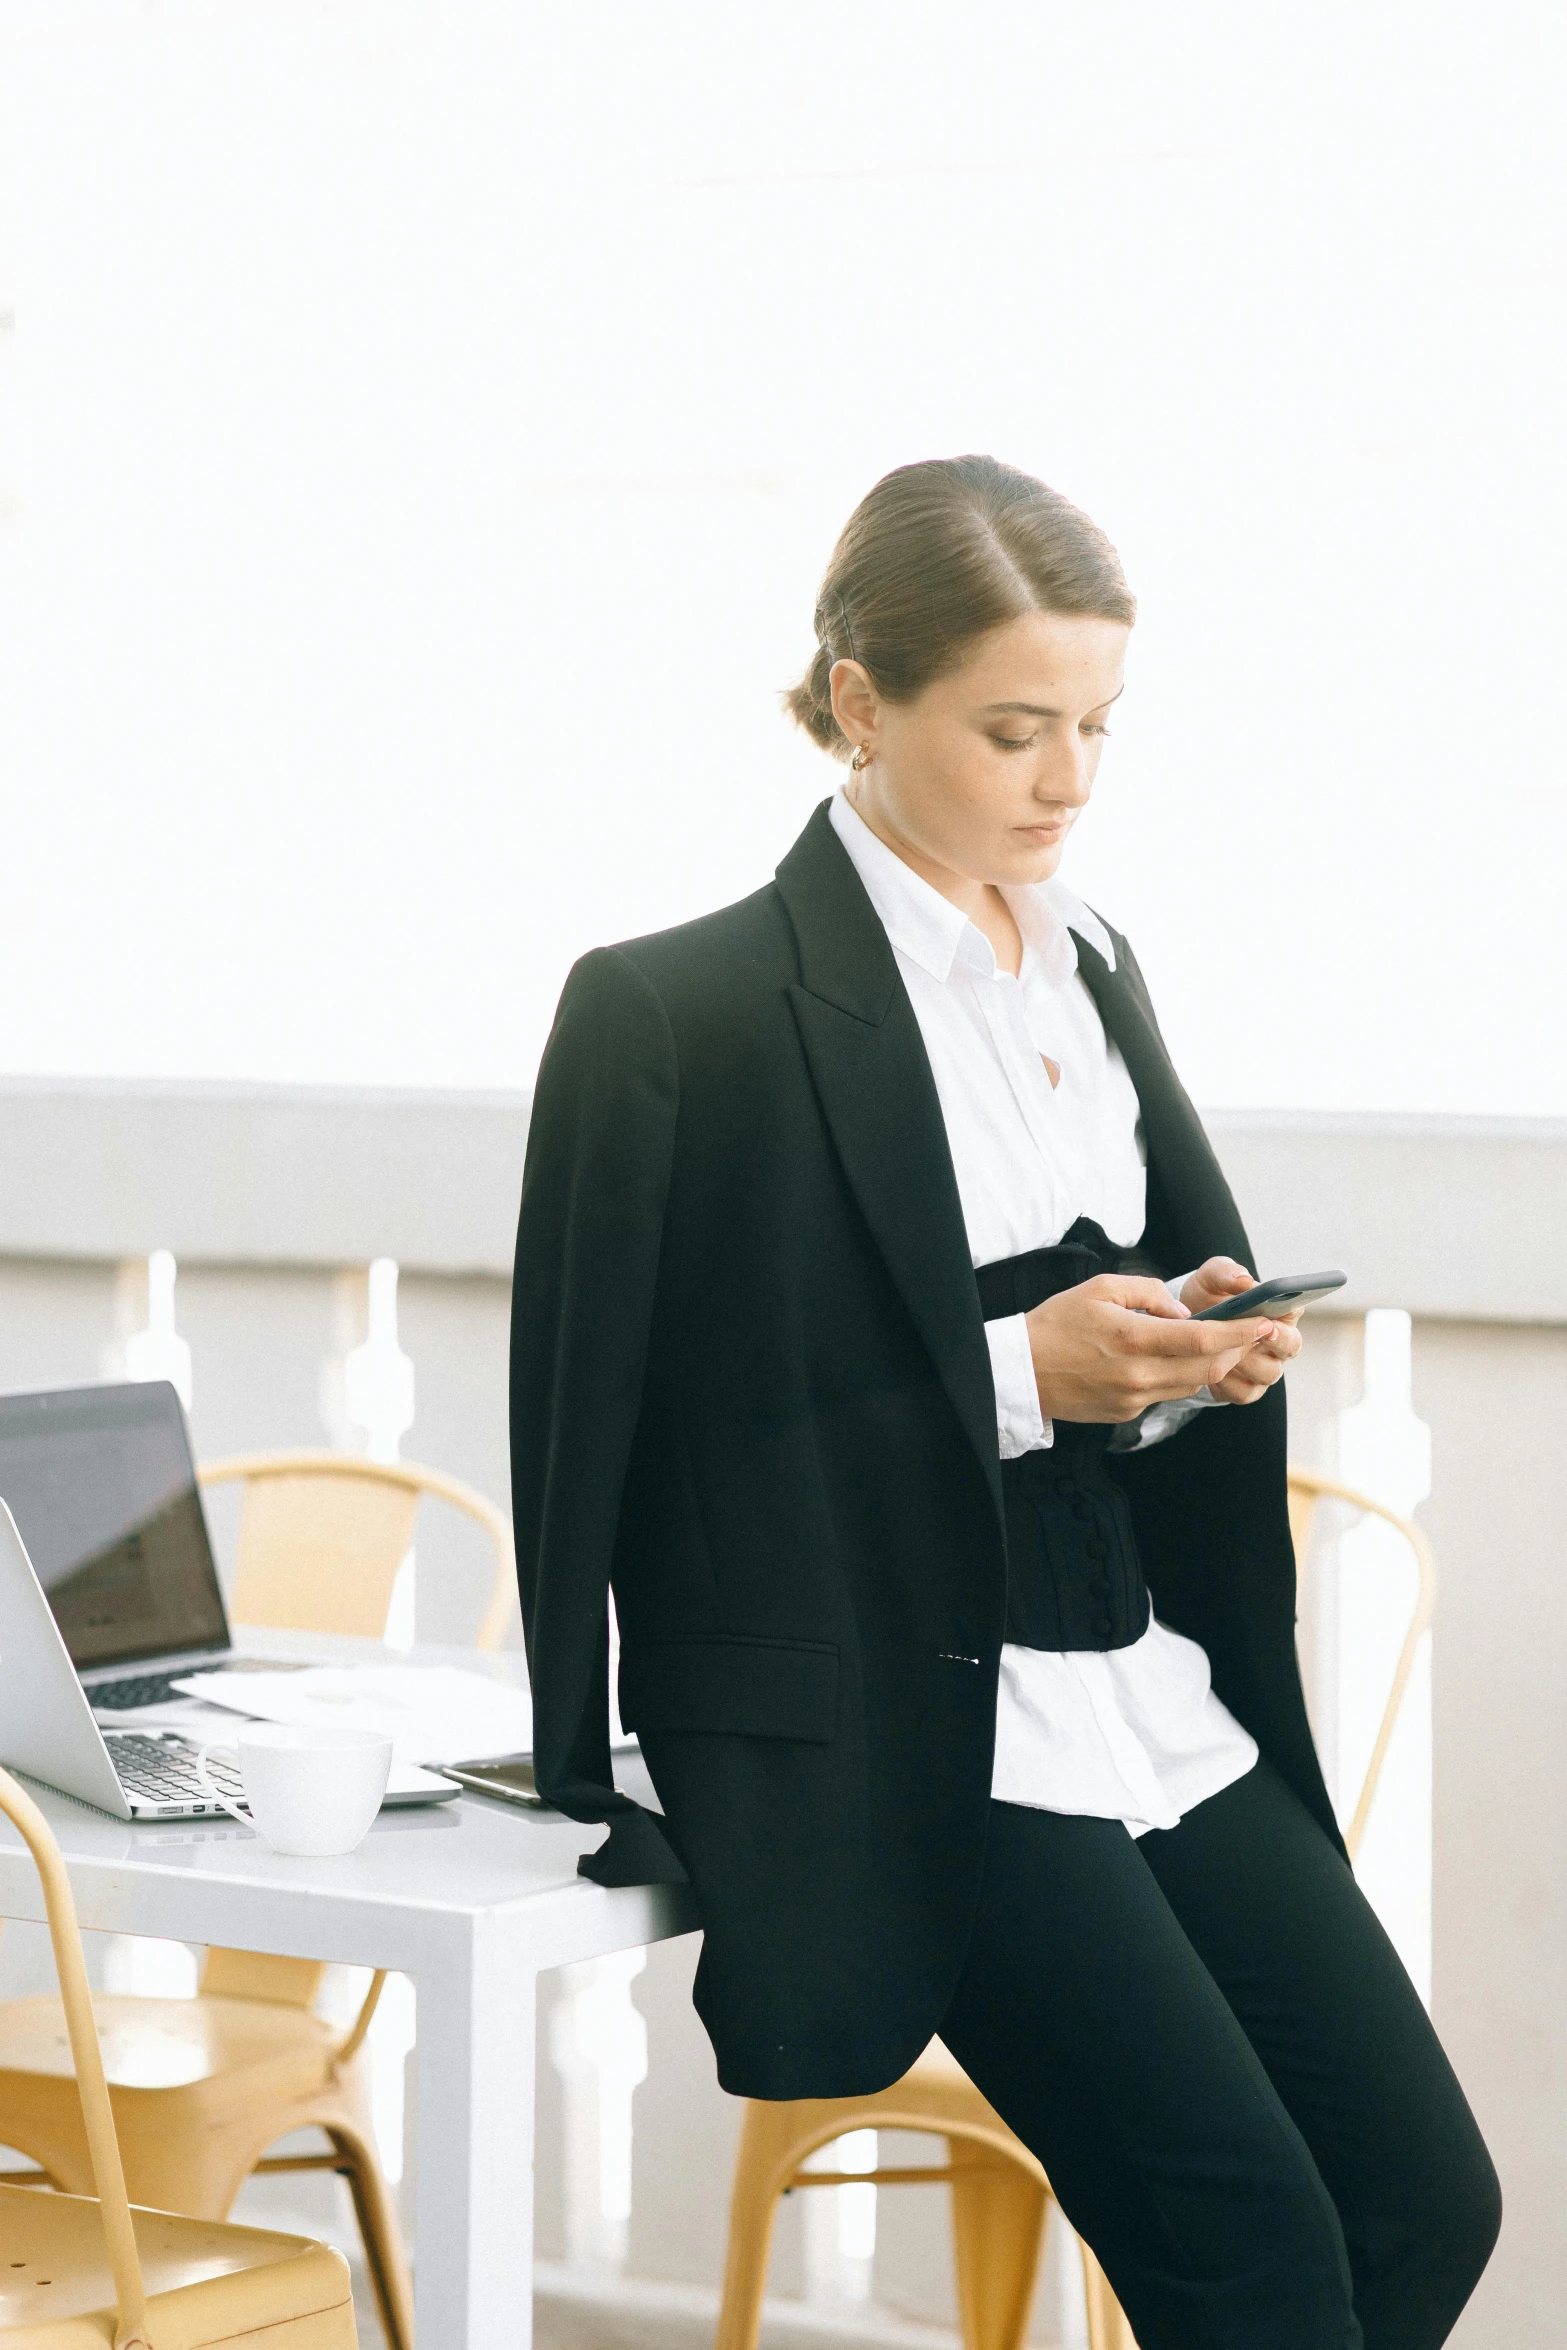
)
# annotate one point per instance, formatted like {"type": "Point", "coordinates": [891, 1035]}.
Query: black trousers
{"type": "Point", "coordinates": [1213, 2048]}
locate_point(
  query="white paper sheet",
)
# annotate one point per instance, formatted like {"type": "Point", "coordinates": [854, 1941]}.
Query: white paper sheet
{"type": "Point", "coordinates": [432, 1713]}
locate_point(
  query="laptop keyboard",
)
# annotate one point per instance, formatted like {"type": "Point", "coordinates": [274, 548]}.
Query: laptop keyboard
{"type": "Point", "coordinates": [123, 1697]}
{"type": "Point", "coordinates": [162, 1770]}
{"type": "Point", "coordinates": [139, 1689]}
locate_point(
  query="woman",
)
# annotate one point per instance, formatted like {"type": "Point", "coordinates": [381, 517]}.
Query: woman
{"type": "Point", "coordinates": [853, 1346]}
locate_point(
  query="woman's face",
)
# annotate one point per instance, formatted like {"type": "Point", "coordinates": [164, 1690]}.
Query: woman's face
{"type": "Point", "coordinates": [983, 775]}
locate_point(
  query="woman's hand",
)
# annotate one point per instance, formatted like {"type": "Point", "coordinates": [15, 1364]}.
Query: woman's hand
{"type": "Point", "coordinates": [1257, 1369]}
{"type": "Point", "coordinates": [1109, 1348]}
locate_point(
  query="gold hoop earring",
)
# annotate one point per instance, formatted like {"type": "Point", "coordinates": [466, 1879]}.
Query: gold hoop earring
{"type": "Point", "coordinates": [861, 759]}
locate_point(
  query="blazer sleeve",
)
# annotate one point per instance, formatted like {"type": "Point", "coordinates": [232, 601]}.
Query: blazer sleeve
{"type": "Point", "coordinates": [600, 1146]}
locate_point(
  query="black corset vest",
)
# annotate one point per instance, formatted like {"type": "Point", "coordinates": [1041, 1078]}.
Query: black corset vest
{"type": "Point", "coordinates": [1073, 1575]}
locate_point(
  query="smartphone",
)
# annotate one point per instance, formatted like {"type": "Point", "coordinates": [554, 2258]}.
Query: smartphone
{"type": "Point", "coordinates": [1283, 1296]}
{"type": "Point", "coordinates": [509, 1776]}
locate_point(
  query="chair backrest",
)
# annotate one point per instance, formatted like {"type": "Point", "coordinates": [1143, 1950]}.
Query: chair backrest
{"type": "Point", "coordinates": [323, 1534]}
{"type": "Point", "coordinates": [256, 1974]}
{"type": "Point", "coordinates": [1306, 1490]}
{"type": "Point", "coordinates": [97, 2115]}
{"type": "Point", "coordinates": [321, 1537]}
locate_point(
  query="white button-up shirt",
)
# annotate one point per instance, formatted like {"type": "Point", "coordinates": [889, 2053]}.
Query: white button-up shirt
{"type": "Point", "coordinates": [1133, 1734]}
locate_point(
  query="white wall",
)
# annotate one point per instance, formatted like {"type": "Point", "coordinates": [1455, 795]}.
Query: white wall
{"type": "Point", "coordinates": [430, 424]}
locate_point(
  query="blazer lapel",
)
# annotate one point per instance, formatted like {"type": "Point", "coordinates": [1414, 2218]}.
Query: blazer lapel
{"type": "Point", "coordinates": [873, 1079]}
{"type": "Point", "coordinates": [1180, 1156]}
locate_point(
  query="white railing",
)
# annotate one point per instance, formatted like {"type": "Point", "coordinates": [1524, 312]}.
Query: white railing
{"type": "Point", "coordinates": [1383, 1449]}
{"type": "Point", "coordinates": [598, 2045]}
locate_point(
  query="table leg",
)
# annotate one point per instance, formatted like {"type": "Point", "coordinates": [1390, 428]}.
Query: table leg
{"type": "Point", "coordinates": [473, 2239]}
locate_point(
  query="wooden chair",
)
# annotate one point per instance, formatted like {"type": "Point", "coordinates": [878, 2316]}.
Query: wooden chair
{"type": "Point", "coordinates": [1306, 1491]}
{"type": "Point", "coordinates": [84, 2272]}
{"type": "Point", "coordinates": [323, 1534]}
{"type": "Point", "coordinates": [201, 2087]}
{"type": "Point", "coordinates": [1000, 2194]}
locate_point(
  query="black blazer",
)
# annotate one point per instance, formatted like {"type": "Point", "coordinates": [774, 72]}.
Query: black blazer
{"type": "Point", "coordinates": [750, 1389]}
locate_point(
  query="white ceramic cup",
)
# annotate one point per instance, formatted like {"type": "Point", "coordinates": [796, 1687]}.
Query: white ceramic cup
{"type": "Point", "coordinates": [311, 1791]}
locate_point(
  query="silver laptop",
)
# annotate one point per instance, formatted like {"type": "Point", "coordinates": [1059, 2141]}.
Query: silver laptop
{"type": "Point", "coordinates": [102, 1485]}
{"type": "Point", "coordinates": [108, 1595]}
{"type": "Point", "coordinates": [47, 1728]}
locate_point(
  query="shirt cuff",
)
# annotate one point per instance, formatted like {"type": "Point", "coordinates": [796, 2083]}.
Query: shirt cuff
{"type": "Point", "coordinates": [1162, 1420]}
{"type": "Point", "coordinates": [1020, 1424]}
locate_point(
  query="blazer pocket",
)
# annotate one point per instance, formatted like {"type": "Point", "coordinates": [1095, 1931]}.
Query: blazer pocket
{"type": "Point", "coordinates": [721, 1683]}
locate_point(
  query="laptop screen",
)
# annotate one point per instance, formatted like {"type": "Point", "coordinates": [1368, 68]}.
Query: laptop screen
{"type": "Point", "coordinates": [102, 1487]}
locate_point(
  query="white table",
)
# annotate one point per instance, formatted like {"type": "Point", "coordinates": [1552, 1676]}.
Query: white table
{"type": "Point", "coordinates": [473, 1900]}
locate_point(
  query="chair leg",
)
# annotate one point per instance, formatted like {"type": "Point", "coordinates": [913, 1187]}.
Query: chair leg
{"type": "Point", "coordinates": [1107, 2326]}
{"type": "Point", "coordinates": [381, 2236]}
{"type": "Point", "coordinates": [998, 2221]}
{"type": "Point", "coordinates": [761, 2164]}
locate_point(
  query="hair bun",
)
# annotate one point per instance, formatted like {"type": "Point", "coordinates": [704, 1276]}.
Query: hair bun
{"type": "Point", "coordinates": [933, 557]}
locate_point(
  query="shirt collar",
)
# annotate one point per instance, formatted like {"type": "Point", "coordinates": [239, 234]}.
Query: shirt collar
{"type": "Point", "coordinates": [926, 927]}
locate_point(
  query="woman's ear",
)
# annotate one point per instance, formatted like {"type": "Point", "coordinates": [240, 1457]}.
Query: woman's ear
{"type": "Point", "coordinates": [855, 702]}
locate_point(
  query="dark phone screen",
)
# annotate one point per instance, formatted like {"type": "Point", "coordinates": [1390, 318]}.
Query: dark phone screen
{"type": "Point", "coordinates": [1287, 1290]}
{"type": "Point", "coordinates": [102, 1487]}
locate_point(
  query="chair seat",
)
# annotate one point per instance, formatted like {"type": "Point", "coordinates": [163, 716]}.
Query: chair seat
{"type": "Point", "coordinates": [227, 2047]}
{"type": "Point", "coordinates": [199, 2089]}
{"type": "Point", "coordinates": [206, 2284]}
{"type": "Point", "coordinates": [935, 2094]}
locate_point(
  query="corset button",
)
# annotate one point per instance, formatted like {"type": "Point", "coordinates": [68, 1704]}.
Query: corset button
{"type": "Point", "coordinates": [1082, 1509]}
{"type": "Point", "coordinates": [1102, 1627]}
